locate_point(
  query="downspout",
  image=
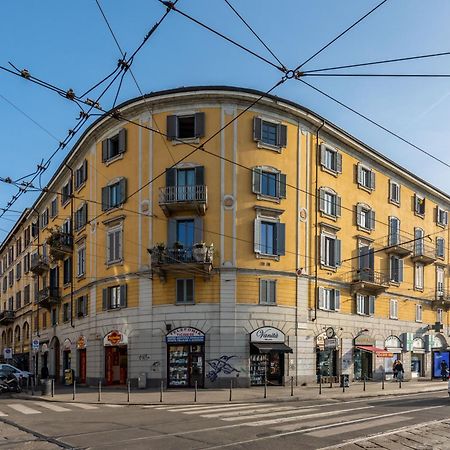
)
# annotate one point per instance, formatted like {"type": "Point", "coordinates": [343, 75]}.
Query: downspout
{"type": "Point", "coordinates": [297, 252]}
{"type": "Point", "coordinates": [71, 238]}
{"type": "Point", "coordinates": [316, 214]}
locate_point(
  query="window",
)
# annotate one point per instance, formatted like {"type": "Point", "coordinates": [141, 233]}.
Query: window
{"type": "Point", "coordinates": [267, 292]}
{"type": "Point", "coordinates": [54, 317]}
{"type": "Point", "coordinates": [5, 284]}
{"type": "Point", "coordinates": [418, 313]}
{"type": "Point", "coordinates": [81, 175]}
{"type": "Point", "coordinates": [114, 195]}
{"type": "Point", "coordinates": [54, 208]}
{"type": "Point", "coordinates": [330, 159]}
{"type": "Point", "coordinates": [330, 250]}
{"type": "Point", "coordinates": [268, 133]}
{"type": "Point", "coordinates": [184, 184]}
{"type": "Point", "coordinates": [18, 300]}
{"type": "Point", "coordinates": [26, 263]}
{"type": "Point", "coordinates": [419, 205]}
{"type": "Point", "coordinates": [330, 202]}
{"type": "Point", "coordinates": [189, 126]}
{"type": "Point", "coordinates": [114, 244]}
{"type": "Point", "coordinates": [81, 216]}
{"type": "Point", "coordinates": [441, 216]}
{"type": "Point", "coordinates": [394, 192]}
{"type": "Point", "coordinates": [439, 315]}
{"type": "Point", "coordinates": [393, 309]}
{"type": "Point", "coordinates": [27, 236]}
{"type": "Point", "coordinates": [82, 306]}
{"type": "Point", "coordinates": [66, 192]}
{"type": "Point", "coordinates": [34, 229]}
{"type": "Point", "coordinates": [67, 271]}
{"type": "Point", "coordinates": [44, 320]}
{"type": "Point", "coordinates": [269, 237]}
{"type": "Point", "coordinates": [11, 303]}
{"type": "Point", "coordinates": [115, 297]}
{"type": "Point", "coordinates": [66, 312]}
{"type": "Point", "coordinates": [114, 146]}
{"type": "Point", "coordinates": [439, 282]}
{"type": "Point", "coordinates": [440, 247]}
{"type": "Point", "coordinates": [329, 299]}
{"type": "Point", "coordinates": [366, 177]}
{"type": "Point", "coordinates": [44, 218]}
{"type": "Point", "coordinates": [269, 182]}
{"type": "Point", "coordinates": [81, 260]}
{"type": "Point", "coordinates": [365, 305]}
{"type": "Point", "coordinates": [419, 245]}
{"type": "Point", "coordinates": [396, 269]}
{"type": "Point", "coordinates": [185, 291]}
{"type": "Point", "coordinates": [418, 276]}
{"type": "Point", "coordinates": [26, 295]}
{"type": "Point", "coordinates": [18, 271]}
{"type": "Point", "coordinates": [11, 277]}
{"type": "Point", "coordinates": [365, 217]}
{"type": "Point", "coordinates": [19, 246]}
{"type": "Point", "coordinates": [394, 231]}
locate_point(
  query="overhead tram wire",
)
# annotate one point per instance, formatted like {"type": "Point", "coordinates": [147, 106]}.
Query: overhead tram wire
{"type": "Point", "coordinates": [340, 35]}
{"type": "Point", "coordinates": [381, 75]}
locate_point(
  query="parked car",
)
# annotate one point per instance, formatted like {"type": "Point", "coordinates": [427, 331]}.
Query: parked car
{"type": "Point", "coordinates": [6, 369]}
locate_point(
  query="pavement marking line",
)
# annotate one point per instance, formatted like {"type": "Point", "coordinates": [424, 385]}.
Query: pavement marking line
{"type": "Point", "coordinates": [321, 427]}
{"type": "Point", "coordinates": [82, 405]}
{"type": "Point", "coordinates": [362, 426]}
{"type": "Point", "coordinates": [289, 411]}
{"type": "Point", "coordinates": [23, 409]}
{"type": "Point", "coordinates": [2, 414]}
{"type": "Point", "coordinates": [52, 406]}
{"type": "Point", "coordinates": [247, 411]}
{"type": "Point", "coordinates": [206, 408]}
{"type": "Point", "coordinates": [303, 417]}
{"type": "Point", "coordinates": [114, 406]}
{"type": "Point", "coordinates": [219, 410]}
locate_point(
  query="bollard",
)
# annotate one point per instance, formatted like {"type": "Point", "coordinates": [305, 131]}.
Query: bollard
{"type": "Point", "coordinates": [195, 391]}
{"type": "Point", "coordinates": [382, 381]}
{"type": "Point", "coordinates": [53, 387]}
{"type": "Point", "coordinates": [99, 391]}
{"type": "Point", "coordinates": [74, 389]}
{"type": "Point", "coordinates": [28, 384]}
{"type": "Point", "coordinates": [343, 383]}
{"type": "Point", "coordinates": [292, 386]}
{"type": "Point", "coordinates": [364, 384]}
{"type": "Point", "coordinates": [32, 386]}
{"type": "Point", "coordinates": [231, 390]}
{"type": "Point", "coordinates": [265, 387]}
{"type": "Point", "coordinates": [331, 382]}
{"type": "Point", "coordinates": [399, 383]}
{"type": "Point", "coordinates": [161, 392]}
{"type": "Point", "coordinates": [320, 385]}
{"type": "Point", "coordinates": [128, 391]}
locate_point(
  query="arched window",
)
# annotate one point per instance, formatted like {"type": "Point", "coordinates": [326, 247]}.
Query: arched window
{"type": "Point", "coordinates": [9, 338]}
{"type": "Point", "coordinates": [17, 334]}
{"type": "Point", "coordinates": [4, 339]}
{"type": "Point", "coordinates": [26, 331]}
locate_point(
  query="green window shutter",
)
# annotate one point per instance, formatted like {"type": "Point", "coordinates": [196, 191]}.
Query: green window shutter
{"type": "Point", "coordinates": [282, 135]}
{"type": "Point", "coordinates": [105, 145]}
{"type": "Point", "coordinates": [400, 270]}
{"type": "Point", "coordinates": [199, 124]}
{"type": "Point", "coordinates": [281, 239]}
{"type": "Point", "coordinates": [105, 299]}
{"type": "Point", "coordinates": [105, 198]}
{"type": "Point", "coordinates": [122, 140]}
{"type": "Point", "coordinates": [337, 252]}
{"type": "Point", "coordinates": [338, 162]}
{"type": "Point", "coordinates": [372, 180]}
{"type": "Point", "coordinates": [123, 296]}
{"type": "Point", "coordinates": [321, 200]}
{"type": "Point", "coordinates": [122, 191]}
{"type": "Point", "coordinates": [256, 180]}
{"type": "Point", "coordinates": [172, 132]}
{"type": "Point", "coordinates": [323, 155]}
{"type": "Point", "coordinates": [282, 186]}
{"type": "Point", "coordinates": [257, 129]}
{"type": "Point", "coordinates": [338, 206]}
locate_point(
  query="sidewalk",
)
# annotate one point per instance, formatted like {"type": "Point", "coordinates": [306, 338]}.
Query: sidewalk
{"type": "Point", "coordinates": [119, 396]}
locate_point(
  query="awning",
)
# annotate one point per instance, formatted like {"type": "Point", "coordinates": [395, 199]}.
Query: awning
{"type": "Point", "coordinates": [272, 347]}
{"type": "Point", "coordinates": [378, 351]}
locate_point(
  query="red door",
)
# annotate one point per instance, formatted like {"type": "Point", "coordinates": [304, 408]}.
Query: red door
{"type": "Point", "coordinates": [82, 366]}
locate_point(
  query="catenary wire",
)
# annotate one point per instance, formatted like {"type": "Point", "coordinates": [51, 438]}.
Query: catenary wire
{"type": "Point", "coordinates": [381, 75]}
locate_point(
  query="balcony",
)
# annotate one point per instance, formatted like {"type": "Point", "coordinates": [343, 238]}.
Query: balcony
{"type": "Point", "coordinates": [425, 254]}
{"type": "Point", "coordinates": [195, 260]}
{"type": "Point", "coordinates": [442, 300]}
{"type": "Point", "coordinates": [183, 198]}
{"type": "Point", "coordinates": [60, 244]}
{"type": "Point", "coordinates": [399, 245]}
{"type": "Point", "coordinates": [39, 264]}
{"type": "Point", "coordinates": [49, 296]}
{"type": "Point", "coordinates": [7, 317]}
{"type": "Point", "coordinates": [368, 281]}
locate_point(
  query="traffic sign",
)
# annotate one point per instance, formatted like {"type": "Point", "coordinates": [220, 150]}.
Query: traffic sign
{"type": "Point", "coordinates": [7, 353]}
{"type": "Point", "coordinates": [35, 344]}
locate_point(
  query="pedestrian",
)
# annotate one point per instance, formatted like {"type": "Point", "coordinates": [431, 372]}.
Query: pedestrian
{"type": "Point", "coordinates": [394, 369]}
{"type": "Point", "coordinates": [400, 370]}
{"type": "Point", "coordinates": [444, 370]}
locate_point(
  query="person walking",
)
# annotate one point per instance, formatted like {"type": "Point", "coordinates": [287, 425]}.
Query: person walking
{"type": "Point", "coordinates": [400, 370]}
{"type": "Point", "coordinates": [444, 370]}
{"type": "Point", "coordinates": [394, 369]}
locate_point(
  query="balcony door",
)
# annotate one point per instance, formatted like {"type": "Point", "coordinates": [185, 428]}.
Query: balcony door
{"type": "Point", "coordinates": [185, 184]}
{"type": "Point", "coordinates": [54, 277]}
{"type": "Point", "coordinates": [366, 263]}
{"type": "Point", "coordinates": [418, 241]}
{"type": "Point", "coordinates": [186, 233]}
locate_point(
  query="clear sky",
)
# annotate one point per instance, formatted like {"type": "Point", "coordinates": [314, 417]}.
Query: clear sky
{"type": "Point", "coordinates": [69, 45]}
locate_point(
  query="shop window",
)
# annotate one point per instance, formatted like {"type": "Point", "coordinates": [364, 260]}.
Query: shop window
{"type": "Point", "coordinates": [66, 192]}
{"type": "Point", "coordinates": [115, 297]}
{"type": "Point", "coordinates": [54, 208]}
{"type": "Point", "coordinates": [394, 192]}
{"type": "Point", "coordinates": [419, 205]}
{"type": "Point", "coordinates": [268, 182]}
{"type": "Point", "coordinates": [269, 237]}
{"type": "Point", "coordinates": [81, 260]}
{"type": "Point", "coordinates": [81, 217]}
{"type": "Point", "coordinates": [366, 177]}
{"type": "Point", "coordinates": [114, 195]}
{"type": "Point", "coordinates": [365, 217]}
{"type": "Point", "coordinates": [330, 159]}
{"type": "Point", "coordinates": [82, 306]}
{"type": "Point", "coordinates": [81, 175]}
{"type": "Point", "coordinates": [114, 146]}
{"type": "Point", "coordinates": [185, 291]}
{"type": "Point", "coordinates": [441, 216]}
{"type": "Point", "coordinates": [271, 134]}
{"type": "Point", "coordinates": [418, 276]}
{"type": "Point", "coordinates": [67, 270]}
{"type": "Point", "coordinates": [114, 238]}
{"type": "Point", "coordinates": [440, 247]}
{"type": "Point", "coordinates": [365, 305]}
{"type": "Point", "coordinates": [396, 269]}
{"type": "Point", "coordinates": [267, 292]}
{"type": "Point", "coordinates": [66, 307]}
{"type": "Point", "coordinates": [329, 299]}
{"type": "Point", "coordinates": [418, 313]}
{"type": "Point", "coordinates": [330, 250]}
{"type": "Point", "coordinates": [393, 309]}
{"type": "Point", "coordinates": [188, 126]}
{"type": "Point", "coordinates": [329, 202]}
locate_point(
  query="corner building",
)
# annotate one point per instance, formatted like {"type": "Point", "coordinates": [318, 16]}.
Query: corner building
{"type": "Point", "coordinates": [283, 248]}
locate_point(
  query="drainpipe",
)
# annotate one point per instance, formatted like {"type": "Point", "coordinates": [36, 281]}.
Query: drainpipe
{"type": "Point", "coordinates": [71, 237]}
{"type": "Point", "coordinates": [316, 237]}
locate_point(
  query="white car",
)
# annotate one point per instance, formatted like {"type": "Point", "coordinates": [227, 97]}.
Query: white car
{"type": "Point", "coordinates": [6, 369]}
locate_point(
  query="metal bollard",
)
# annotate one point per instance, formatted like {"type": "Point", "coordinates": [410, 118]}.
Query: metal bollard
{"type": "Point", "coordinates": [320, 385]}
{"type": "Point", "coordinates": [195, 391]}
{"type": "Point", "coordinates": [99, 391]}
{"type": "Point", "coordinates": [32, 386]}
{"type": "Point", "coordinates": [265, 387]}
{"type": "Point", "coordinates": [128, 391]}
{"type": "Point", "coordinates": [292, 386]}
{"type": "Point", "coordinates": [399, 383]}
{"type": "Point", "coordinates": [161, 392]}
{"type": "Point", "coordinates": [231, 390]}
{"type": "Point", "coordinates": [382, 382]}
{"type": "Point", "coordinates": [53, 387]}
{"type": "Point", "coordinates": [343, 383]}
{"type": "Point", "coordinates": [364, 384]}
{"type": "Point", "coordinates": [331, 382]}
{"type": "Point", "coordinates": [74, 389]}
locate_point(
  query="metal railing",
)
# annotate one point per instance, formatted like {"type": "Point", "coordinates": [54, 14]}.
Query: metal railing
{"type": "Point", "coordinates": [422, 249]}
{"type": "Point", "coordinates": [370, 276]}
{"type": "Point", "coordinates": [181, 194]}
{"type": "Point", "coordinates": [49, 294]}
{"type": "Point", "coordinates": [399, 240]}
{"type": "Point", "coordinates": [7, 315]}
{"type": "Point", "coordinates": [38, 261]}
{"type": "Point", "coordinates": [196, 254]}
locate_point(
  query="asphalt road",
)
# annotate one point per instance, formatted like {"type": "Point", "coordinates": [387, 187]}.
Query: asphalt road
{"type": "Point", "coordinates": [402, 422]}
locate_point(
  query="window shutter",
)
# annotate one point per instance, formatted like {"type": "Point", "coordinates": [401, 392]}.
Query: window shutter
{"type": "Point", "coordinates": [338, 162]}
{"type": "Point", "coordinates": [400, 270]}
{"type": "Point", "coordinates": [198, 230]}
{"type": "Point", "coordinates": [84, 213]}
{"type": "Point", "coordinates": [105, 299]}
{"type": "Point", "coordinates": [105, 150]}
{"type": "Point", "coordinates": [257, 236]}
{"type": "Point", "coordinates": [282, 186]}
{"type": "Point", "coordinates": [337, 299]}
{"type": "Point", "coordinates": [372, 219]}
{"type": "Point", "coordinates": [338, 206]}
{"type": "Point", "coordinates": [321, 298]}
{"type": "Point", "coordinates": [321, 200]}
{"type": "Point", "coordinates": [359, 304]}
{"type": "Point", "coordinates": [85, 170]}
{"type": "Point", "coordinates": [323, 155]}
{"type": "Point", "coordinates": [123, 296]}
{"type": "Point", "coordinates": [172, 132]}
{"type": "Point", "coordinates": [322, 249]}
{"type": "Point", "coordinates": [282, 135]}
{"type": "Point", "coordinates": [272, 291]}
{"type": "Point", "coordinates": [337, 252]}
{"type": "Point", "coordinates": [111, 246]}
{"type": "Point", "coordinates": [358, 215]}
{"type": "Point", "coordinates": [180, 291]}
{"type": "Point", "coordinates": [189, 291]}
{"type": "Point", "coordinates": [257, 129]}
{"type": "Point", "coordinates": [170, 177]}
{"type": "Point", "coordinates": [280, 239]}
{"type": "Point", "coordinates": [199, 175]}
{"type": "Point", "coordinates": [85, 305]}
{"type": "Point", "coordinates": [122, 191]}
{"type": "Point", "coordinates": [371, 305]}
{"type": "Point", "coordinates": [117, 245]}
{"type": "Point", "coordinates": [359, 174]}
{"type": "Point", "coordinates": [171, 232]}
{"type": "Point", "coordinates": [372, 180]}
{"type": "Point", "coordinates": [256, 180]}
{"type": "Point", "coordinates": [445, 217]}
{"type": "Point", "coordinates": [262, 291]}
{"type": "Point", "coordinates": [199, 126]}
{"type": "Point", "coordinates": [105, 198]}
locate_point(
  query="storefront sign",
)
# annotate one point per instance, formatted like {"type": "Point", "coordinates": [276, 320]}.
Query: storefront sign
{"type": "Point", "coordinates": [267, 334]}
{"type": "Point", "coordinates": [81, 343]}
{"type": "Point", "coordinates": [407, 340]}
{"type": "Point", "coordinates": [331, 344]}
{"type": "Point", "coordinates": [185, 335]}
{"type": "Point", "coordinates": [364, 339]}
{"type": "Point", "coordinates": [115, 338]}
{"type": "Point", "coordinates": [8, 353]}
{"type": "Point", "coordinates": [67, 344]}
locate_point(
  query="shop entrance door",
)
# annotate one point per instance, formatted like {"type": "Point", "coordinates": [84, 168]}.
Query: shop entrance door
{"type": "Point", "coordinates": [275, 368]}
{"type": "Point", "coordinates": [66, 360]}
{"type": "Point", "coordinates": [116, 363]}
{"type": "Point", "coordinates": [196, 361]}
{"type": "Point", "coordinates": [186, 365]}
{"type": "Point", "coordinates": [363, 364]}
{"type": "Point", "coordinates": [82, 366]}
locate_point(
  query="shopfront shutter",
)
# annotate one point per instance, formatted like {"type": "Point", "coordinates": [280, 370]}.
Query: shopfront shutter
{"type": "Point", "coordinates": [257, 129]}
{"type": "Point", "coordinates": [337, 252]}
{"type": "Point", "coordinates": [171, 232]}
{"type": "Point", "coordinates": [199, 125]}
{"type": "Point", "coordinates": [122, 191]}
{"type": "Point", "coordinates": [282, 186]}
{"type": "Point", "coordinates": [256, 180]}
{"type": "Point", "coordinates": [321, 292]}
{"type": "Point", "coordinates": [172, 132]}
{"type": "Point", "coordinates": [281, 239]}
{"type": "Point", "coordinates": [105, 298]}
{"type": "Point", "coordinates": [338, 206]}
{"type": "Point", "coordinates": [257, 236]}
{"type": "Point", "coordinates": [338, 162]}
{"type": "Point", "coordinates": [105, 198]}
{"type": "Point", "coordinates": [337, 299]}
{"type": "Point", "coordinates": [322, 200]}
{"type": "Point", "coordinates": [105, 144]}
{"type": "Point", "coordinates": [282, 135]}
{"type": "Point", "coordinates": [371, 305]}
{"type": "Point", "coordinates": [123, 296]}
{"type": "Point", "coordinates": [198, 230]}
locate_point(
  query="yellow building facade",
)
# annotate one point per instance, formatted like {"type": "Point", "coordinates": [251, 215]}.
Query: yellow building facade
{"type": "Point", "coordinates": [192, 239]}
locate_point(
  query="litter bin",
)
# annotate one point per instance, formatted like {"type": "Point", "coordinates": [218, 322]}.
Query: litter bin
{"type": "Point", "coordinates": [68, 377]}
{"type": "Point", "coordinates": [142, 380]}
{"type": "Point", "coordinates": [46, 386]}
{"type": "Point", "coordinates": [345, 380]}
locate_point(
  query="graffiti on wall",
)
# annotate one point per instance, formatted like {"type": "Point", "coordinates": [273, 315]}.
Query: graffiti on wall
{"type": "Point", "coordinates": [220, 365]}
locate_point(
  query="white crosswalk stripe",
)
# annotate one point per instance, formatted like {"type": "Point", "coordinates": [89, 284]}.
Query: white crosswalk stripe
{"type": "Point", "coordinates": [23, 409]}
{"type": "Point", "coordinates": [221, 410]}
{"type": "Point", "coordinates": [278, 409]}
{"type": "Point", "coordinates": [82, 405]}
{"type": "Point", "coordinates": [200, 407]}
{"type": "Point", "coordinates": [2, 414]}
{"type": "Point", "coordinates": [51, 406]}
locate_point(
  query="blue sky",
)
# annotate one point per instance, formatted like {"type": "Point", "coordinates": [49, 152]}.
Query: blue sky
{"type": "Point", "coordinates": [69, 45]}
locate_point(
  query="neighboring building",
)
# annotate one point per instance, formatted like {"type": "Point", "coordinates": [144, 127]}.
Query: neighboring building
{"type": "Point", "coordinates": [227, 265]}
